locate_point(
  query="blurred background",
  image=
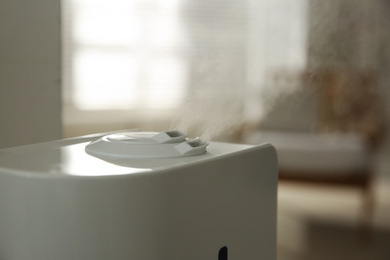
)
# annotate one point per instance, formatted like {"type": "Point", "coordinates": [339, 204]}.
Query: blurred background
{"type": "Point", "coordinates": [310, 76]}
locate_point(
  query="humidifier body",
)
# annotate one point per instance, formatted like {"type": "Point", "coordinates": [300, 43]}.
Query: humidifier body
{"type": "Point", "coordinates": [60, 200]}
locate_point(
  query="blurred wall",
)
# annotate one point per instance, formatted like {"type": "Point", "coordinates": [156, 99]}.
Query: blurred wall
{"type": "Point", "coordinates": [30, 100]}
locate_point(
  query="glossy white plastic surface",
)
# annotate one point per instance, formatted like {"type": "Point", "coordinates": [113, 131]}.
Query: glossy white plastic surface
{"type": "Point", "coordinates": [58, 202]}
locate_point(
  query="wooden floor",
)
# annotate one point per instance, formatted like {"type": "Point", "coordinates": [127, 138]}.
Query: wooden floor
{"type": "Point", "coordinates": [319, 222]}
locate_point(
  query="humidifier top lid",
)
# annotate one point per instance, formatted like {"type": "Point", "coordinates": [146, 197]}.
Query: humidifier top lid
{"type": "Point", "coordinates": [110, 154]}
{"type": "Point", "coordinates": [139, 145]}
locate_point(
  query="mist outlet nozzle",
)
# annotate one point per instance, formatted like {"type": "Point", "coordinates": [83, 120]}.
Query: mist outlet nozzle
{"type": "Point", "coordinates": [143, 145]}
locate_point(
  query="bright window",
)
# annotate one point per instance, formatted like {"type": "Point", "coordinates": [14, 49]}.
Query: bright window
{"type": "Point", "coordinates": [123, 54]}
{"type": "Point", "coordinates": [129, 60]}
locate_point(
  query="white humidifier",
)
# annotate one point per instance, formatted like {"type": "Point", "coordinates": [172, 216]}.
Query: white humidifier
{"type": "Point", "coordinates": [138, 195]}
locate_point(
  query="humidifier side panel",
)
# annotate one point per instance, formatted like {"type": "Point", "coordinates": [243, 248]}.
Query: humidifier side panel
{"type": "Point", "coordinates": [13, 222]}
{"type": "Point", "coordinates": [84, 218]}
{"type": "Point", "coordinates": [229, 201]}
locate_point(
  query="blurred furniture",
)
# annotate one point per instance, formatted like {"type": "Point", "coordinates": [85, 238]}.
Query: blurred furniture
{"type": "Point", "coordinates": [350, 128]}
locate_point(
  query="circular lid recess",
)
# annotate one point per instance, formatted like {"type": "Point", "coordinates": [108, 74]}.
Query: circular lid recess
{"type": "Point", "coordinates": [138, 145]}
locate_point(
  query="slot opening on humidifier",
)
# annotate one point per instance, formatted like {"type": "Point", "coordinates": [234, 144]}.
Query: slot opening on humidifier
{"type": "Point", "coordinates": [223, 253]}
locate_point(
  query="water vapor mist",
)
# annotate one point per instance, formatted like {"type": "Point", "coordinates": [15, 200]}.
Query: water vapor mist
{"type": "Point", "coordinates": [344, 37]}
{"type": "Point", "coordinates": [210, 113]}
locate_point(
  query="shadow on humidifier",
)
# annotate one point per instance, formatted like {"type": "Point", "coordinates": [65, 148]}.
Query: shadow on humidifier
{"type": "Point", "coordinates": [138, 195]}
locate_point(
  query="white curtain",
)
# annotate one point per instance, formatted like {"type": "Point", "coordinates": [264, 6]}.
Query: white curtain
{"type": "Point", "coordinates": [141, 58]}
